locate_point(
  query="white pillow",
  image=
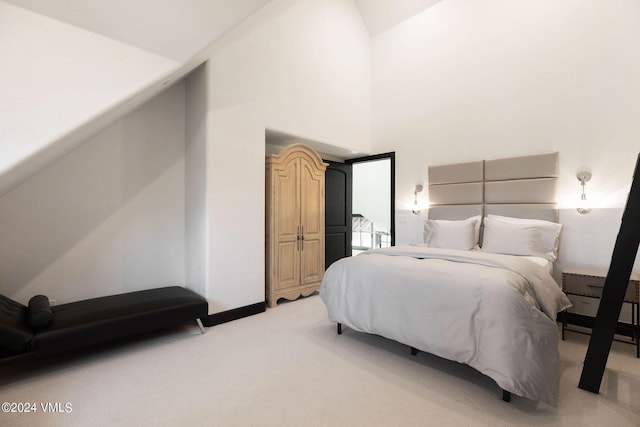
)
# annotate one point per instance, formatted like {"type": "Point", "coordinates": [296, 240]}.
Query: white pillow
{"type": "Point", "coordinates": [531, 237]}
{"type": "Point", "coordinates": [507, 238]}
{"type": "Point", "coordinates": [441, 233]}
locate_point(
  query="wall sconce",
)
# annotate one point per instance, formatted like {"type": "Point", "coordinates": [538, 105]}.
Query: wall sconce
{"type": "Point", "coordinates": [416, 208]}
{"type": "Point", "coordinates": [583, 177]}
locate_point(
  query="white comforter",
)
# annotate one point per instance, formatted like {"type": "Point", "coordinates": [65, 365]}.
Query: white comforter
{"type": "Point", "coordinates": [493, 312]}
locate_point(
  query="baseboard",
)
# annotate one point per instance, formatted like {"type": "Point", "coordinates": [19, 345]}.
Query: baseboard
{"type": "Point", "coordinates": [234, 314]}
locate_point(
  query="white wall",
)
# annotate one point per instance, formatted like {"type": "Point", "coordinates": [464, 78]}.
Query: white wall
{"type": "Point", "coordinates": [300, 67]}
{"type": "Point", "coordinates": [106, 218]}
{"type": "Point", "coordinates": [110, 215]}
{"type": "Point", "coordinates": [463, 80]}
{"type": "Point", "coordinates": [588, 240]}
{"type": "Point", "coordinates": [467, 80]}
{"type": "Point", "coordinates": [56, 78]}
{"type": "Point", "coordinates": [196, 180]}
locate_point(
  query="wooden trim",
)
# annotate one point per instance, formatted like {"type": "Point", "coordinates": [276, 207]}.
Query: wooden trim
{"type": "Point", "coordinates": [234, 314]}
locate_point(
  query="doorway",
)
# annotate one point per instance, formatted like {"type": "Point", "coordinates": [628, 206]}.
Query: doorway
{"type": "Point", "coordinates": [359, 206]}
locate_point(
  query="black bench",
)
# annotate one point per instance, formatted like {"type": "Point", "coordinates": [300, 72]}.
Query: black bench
{"type": "Point", "coordinates": [39, 330]}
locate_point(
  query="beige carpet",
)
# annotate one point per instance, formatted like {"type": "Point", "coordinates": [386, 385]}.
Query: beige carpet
{"type": "Point", "coordinates": [287, 367]}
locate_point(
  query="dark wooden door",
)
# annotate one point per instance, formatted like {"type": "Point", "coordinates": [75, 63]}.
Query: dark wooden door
{"type": "Point", "coordinates": [337, 216]}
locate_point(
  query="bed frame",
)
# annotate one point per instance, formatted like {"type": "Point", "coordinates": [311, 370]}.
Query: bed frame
{"type": "Point", "coordinates": [520, 187]}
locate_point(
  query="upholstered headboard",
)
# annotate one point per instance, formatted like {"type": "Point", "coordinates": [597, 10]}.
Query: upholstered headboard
{"type": "Point", "coordinates": [522, 187]}
{"type": "Point", "coordinates": [456, 190]}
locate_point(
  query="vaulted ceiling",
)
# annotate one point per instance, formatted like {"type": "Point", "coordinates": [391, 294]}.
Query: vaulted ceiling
{"type": "Point", "coordinates": [380, 15]}
{"type": "Point", "coordinates": [148, 42]}
{"type": "Point", "coordinates": [177, 29]}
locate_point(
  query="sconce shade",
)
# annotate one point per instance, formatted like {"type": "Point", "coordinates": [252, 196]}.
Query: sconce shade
{"type": "Point", "coordinates": [584, 177]}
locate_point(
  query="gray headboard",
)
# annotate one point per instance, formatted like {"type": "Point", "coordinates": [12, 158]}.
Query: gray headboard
{"type": "Point", "coordinates": [522, 187]}
{"type": "Point", "coordinates": [456, 190]}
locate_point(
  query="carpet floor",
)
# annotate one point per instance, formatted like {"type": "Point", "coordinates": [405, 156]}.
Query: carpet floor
{"type": "Point", "coordinates": [288, 367]}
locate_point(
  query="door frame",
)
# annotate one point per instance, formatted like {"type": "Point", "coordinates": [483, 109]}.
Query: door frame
{"type": "Point", "coordinates": [392, 156]}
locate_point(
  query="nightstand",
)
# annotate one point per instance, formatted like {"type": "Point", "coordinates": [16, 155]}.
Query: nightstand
{"type": "Point", "coordinates": [587, 284]}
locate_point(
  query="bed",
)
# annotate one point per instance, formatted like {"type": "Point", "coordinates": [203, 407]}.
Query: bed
{"type": "Point", "coordinates": [479, 290]}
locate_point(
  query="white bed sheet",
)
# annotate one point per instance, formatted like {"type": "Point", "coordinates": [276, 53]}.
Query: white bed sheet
{"type": "Point", "coordinates": [485, 310]}
{"type": "Point", "coordinates": [543, 262]}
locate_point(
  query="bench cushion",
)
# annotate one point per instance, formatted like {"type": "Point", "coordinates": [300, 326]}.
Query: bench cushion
{"type": "Point", "coordinates": [97, 320]}
{"type": "Point", "coordinates": [15, 334]}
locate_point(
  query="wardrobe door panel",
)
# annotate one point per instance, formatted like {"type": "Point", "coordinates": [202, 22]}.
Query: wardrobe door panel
{"type": "Point", "coordinates": [312, 262]}
{"type": "Point", "coordinates": [312, 197]}
{"type": "Point", "coordinates": [286, 193]}
{"type": "Point", "coordinates": [287, 267]}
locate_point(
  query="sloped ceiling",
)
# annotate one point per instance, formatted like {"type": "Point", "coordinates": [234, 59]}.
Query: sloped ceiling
{"type": "Point", "coordinates": [380, 15]}
{"type": "Point", "coordinates": [47, 83]}
{"type": "Point", "coordinates": [174, 29]}
{"type": "Point", "coordinates": [59, 84]}
{"type": "Point", "coordinates": [177, 29]}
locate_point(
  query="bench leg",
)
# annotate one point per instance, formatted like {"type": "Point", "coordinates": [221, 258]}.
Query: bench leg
{"type": "Point", "coordinates": [414, 351]}
{"type": "Point", "coordinates": [506, 396]}
{"type": "Point", "coordinates": [200, 326]}
{"type": "Point", "coordinates": [339, 328]}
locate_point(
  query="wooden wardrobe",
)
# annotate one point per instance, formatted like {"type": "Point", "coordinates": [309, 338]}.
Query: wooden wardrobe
{"type": "Point", "coordinates": [294, 223]}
